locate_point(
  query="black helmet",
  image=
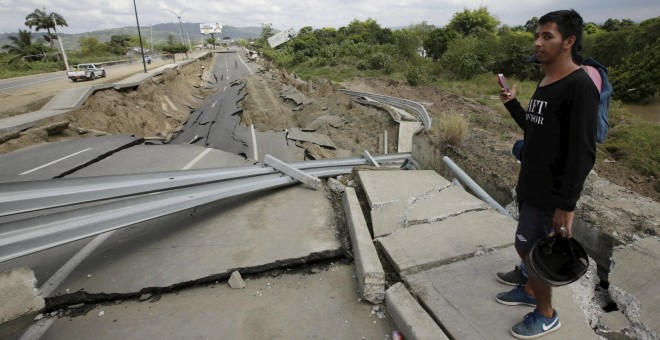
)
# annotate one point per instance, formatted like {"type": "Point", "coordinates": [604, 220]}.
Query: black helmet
{"type": "Point", "coordinates": [557, 261]}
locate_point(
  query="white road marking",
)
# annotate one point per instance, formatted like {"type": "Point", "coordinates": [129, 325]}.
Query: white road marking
{"type": "Point", "coordinates": [38, 329]}
{"type": "Point", "coordinates": [28, 84]}
{"type": "Point", "coordinates": [53, 162]}
{"type": "Point", "coordinates": [197, 159]}
{"type": "Point", "coordinates": [241, 59]}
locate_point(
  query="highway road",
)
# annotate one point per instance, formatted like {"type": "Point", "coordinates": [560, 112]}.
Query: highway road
{"type": "Point", "coordinates": [19, 94]}
{"type": "Point", "coordinates": [185, 250]}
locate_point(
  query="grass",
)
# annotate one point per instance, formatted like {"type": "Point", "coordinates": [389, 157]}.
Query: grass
{"type": "Point", "coordinates": [451, 128]}
{"type": "Point", "coordinates": [632, 141]}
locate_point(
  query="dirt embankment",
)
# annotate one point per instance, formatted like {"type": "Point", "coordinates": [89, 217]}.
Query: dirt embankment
{"type": "Point", "coordinates": [154, 109]}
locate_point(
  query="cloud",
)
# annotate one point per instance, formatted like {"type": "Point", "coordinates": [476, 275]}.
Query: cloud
{"type": "Point", "coordinates": [283, 14]}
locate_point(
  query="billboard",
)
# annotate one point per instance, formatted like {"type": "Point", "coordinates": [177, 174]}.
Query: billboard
{"type": "Point", "coordinates": [282, 37]}
{"type": "Point", "coordinates": [210, 28]}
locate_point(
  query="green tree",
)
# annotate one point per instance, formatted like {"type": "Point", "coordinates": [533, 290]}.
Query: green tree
{"type": "Point", "coordinates": [22, 48]}
{"type": "Point", "coordinates": [407, 43]}
{"type": "Point", "coordinates": [591, 28]}
{"type": "Point", "coordinates": [512, 55]}
{"type": "Point", "coordinates": [173, 49]}
{"type": "Point", "coordinates": [611, 25]}
{"type": "Point", "coordinates": [41, 19]}
{"type": "Point", "coordinates": [119, 43]}
{"type": "Point", "coordinates": [464, 22]}
{"type": "Point", "coordinates": [91, 46]}
{"type": "Point", "coordinates": [637, 77]}
{"type": "Point", "coordinates": [266, 31]}
{"type": "Point", "coordinates": [438, 40]}
{"type": "Point", "coordinates": [532, 24]}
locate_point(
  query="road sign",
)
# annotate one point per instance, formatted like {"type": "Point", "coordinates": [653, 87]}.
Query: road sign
{"type": "Point", "coordinates": [210, 28]}
{"type": "Point", "coordinates": [282, 37]}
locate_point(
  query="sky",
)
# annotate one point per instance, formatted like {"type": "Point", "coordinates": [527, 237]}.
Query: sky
{"type": "Point", "coordinates": [90, 15]}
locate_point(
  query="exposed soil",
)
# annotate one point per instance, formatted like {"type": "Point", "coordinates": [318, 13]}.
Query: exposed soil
{"type": "Point", "coordinates": [159, 107]}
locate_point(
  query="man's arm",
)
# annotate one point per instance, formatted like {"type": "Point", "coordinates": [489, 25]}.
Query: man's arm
{"type": "Point", "coordinates": [513, 106]}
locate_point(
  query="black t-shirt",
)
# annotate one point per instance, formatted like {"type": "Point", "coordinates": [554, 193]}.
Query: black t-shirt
{"type": "Point", "coordinates": [560, 141]}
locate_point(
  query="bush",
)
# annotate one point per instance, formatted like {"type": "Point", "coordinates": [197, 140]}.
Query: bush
{"type": "Point", "coordinates": [362, 65]}
{"type": "Point", "coordinates": [451, 127]}
{"type": "Point", "coordinates": [414, 75]}
{"type": "Point", "coordinates": [465, 58]}
{"type": "Point", "coordinates": [379, 61]}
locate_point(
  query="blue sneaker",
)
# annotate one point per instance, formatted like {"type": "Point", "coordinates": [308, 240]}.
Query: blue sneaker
{"type": "Point", "coordinates": [516, 296]}
{"type": "Point", "coordinates": [534, 325]}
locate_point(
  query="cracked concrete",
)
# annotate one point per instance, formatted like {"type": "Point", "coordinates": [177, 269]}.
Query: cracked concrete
{"type": "Point", "coordinates": [634, 286]}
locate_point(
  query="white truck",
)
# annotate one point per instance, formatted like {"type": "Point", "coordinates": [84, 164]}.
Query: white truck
{"type": "Point", "coordinates": [86, 71]}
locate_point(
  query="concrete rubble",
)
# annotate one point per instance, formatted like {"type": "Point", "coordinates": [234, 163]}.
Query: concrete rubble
{"type": "Point", "coordinates": [21, 300]}
{"type": "Point", "coordinates": [634, 286]}
{"type": "Point", "coordinates": [236, 281]}
{"type": "Point", "coordinates": [370, 273]}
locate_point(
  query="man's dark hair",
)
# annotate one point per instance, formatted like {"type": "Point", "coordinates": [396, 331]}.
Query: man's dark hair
{"type": "Point", "coordinates": [569, 23]}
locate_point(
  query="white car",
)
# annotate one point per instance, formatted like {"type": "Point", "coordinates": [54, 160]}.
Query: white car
{"type": "Point", "coordinates": [86, 71]}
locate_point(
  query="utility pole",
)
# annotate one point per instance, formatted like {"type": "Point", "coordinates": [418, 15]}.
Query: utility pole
{"type": "Point", "coordinates": [66, 62]}
{"type": "Point", "coordinates": [144, 63]}
{"type": "Point", "coordinates": [178, 16]}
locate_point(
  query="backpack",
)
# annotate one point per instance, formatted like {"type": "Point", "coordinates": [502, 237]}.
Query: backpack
{"type": "Point", "coordinates": [602, 124]}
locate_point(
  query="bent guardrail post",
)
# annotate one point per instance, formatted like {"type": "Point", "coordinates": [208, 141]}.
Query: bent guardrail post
{"type": "Point", "coordinates": [370, 159]}
{"type": "Point", "coordinates": [476, 189]}
{"type": "Point", "coordinates": [292, 172]}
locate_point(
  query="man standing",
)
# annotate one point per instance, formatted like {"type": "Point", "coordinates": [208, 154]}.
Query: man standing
{"type": "Point", "coordinates": [560, 149]}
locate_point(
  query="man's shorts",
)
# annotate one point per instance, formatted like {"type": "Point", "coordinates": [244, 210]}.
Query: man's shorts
{"type": "Point", "coordinates": [533, 224]}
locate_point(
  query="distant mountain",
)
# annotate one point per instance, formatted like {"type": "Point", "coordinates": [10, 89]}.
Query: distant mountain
{"type": "Point", "coordinates": [158, 33]}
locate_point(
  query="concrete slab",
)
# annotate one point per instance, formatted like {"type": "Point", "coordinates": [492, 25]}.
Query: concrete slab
{"type": "Point", "coordinates": [152, 158]}
{"type": "Point", "coordinates": [329, 119]}
{"type": "Point", "coordinates": [461, 297]}
{"type": "Point", "coordinates": [21, 300]}
{"type": "Point", "coordinates": [389, 194]}
{"type": "Point", "coordinates": [257, 231]}
{"type": "Point", "coordinates": [634, 278]}
{"type": "Point", "coordinates": [439, 205]}
{"type": "Point", "coordinates": [291, 93]}
{"type": "Point", "coordinates": [406, 132]}
{"type": "Point", "coordinates": [28, 120]}
{"type": "Point", "coordinates": [429, 245]}
{"type": "Point", "coordinates": [409, 316]}
{"type": "Point", "coordinates": [290, 306]}
{"type": "Point", "coordinates": [312, 137]}
{"type": "Point", "coordinates": [69, 98]}
{"type": "Point", "coordinates": [370, 273]}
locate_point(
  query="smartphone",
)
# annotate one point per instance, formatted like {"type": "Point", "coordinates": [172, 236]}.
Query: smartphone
{"type": "Point", "coordinates": [503, 84]}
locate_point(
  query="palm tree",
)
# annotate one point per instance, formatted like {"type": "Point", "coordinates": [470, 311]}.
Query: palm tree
{"type": "Point", "coordinates": [19, 45]}
{"type": "Point", "coordinates": [41, 19]}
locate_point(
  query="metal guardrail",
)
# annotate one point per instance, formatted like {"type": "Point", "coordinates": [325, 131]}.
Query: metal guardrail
{"type": "Point", "coordinates": [140, 202]}
{"type": "Point", "coordinates": [416, 107]}
{"type": "Point", "coordinates": [472, 185]}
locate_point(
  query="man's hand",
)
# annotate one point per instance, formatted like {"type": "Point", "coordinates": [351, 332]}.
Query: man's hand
{"type": "Point", "coordinates": [561, 219]}
{"type": "Point", "coordinates": [505, 97]}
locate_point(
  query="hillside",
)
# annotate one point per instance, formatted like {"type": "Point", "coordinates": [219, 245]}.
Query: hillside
{"type": "Point", "coordinates": [158, 33]}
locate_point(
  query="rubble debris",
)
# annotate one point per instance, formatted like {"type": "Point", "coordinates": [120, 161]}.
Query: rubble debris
{"type": "Point", "coordinates": [236, 281]}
